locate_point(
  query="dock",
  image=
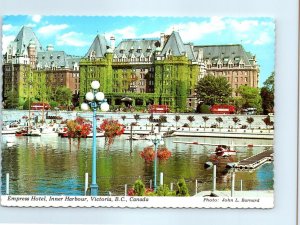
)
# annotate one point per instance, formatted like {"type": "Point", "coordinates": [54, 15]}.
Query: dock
{"type": "Point", "coordinates": [255, 160]}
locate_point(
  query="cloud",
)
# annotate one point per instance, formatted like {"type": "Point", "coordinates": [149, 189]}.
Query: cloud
{"type": "Point", "coordinates": [5, 42]}
{"type": "Point", "coordinates": [71, 39]}
{"type": "Point", "coordinates": [126, 32]}
{"type": "Point", "coordinates": [263, 39]}
{"type": "Point", "coordinates": [36, 18]}
{"type": "Point", "coordinates": [30, 25]}
{"type": "Point", "coordinates": [155, 34]}
{"type": "Point", "coordinates": [7, 27]}
{"type": "Point", "coordinates": [192, 31]}
{"type": "Point", "coordinates": [52, 29]}
{"type": "Point", "coordinates": [242, 26]}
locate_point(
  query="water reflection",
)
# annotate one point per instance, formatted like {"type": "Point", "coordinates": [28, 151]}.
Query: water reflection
{"type": "Point", "coordinates": [53, 166]}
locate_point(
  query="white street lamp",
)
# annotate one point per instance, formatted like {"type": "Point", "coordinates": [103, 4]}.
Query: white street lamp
{"type": "Point", "coordinates": [156, 140]}
{"type": "Point", "coordinates": [95, 100]}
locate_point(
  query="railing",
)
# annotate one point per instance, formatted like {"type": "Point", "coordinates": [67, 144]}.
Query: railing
{"type": "Point", "coordinates": [197, 186]}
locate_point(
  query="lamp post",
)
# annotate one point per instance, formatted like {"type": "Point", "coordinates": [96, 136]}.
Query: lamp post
{"type": "Point", "coordinates": [95, 100]}
{"type": "Point", "coordinates": [156, 140]}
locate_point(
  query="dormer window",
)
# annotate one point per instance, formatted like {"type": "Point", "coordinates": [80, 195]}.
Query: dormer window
{"type": "Point", "coordinates": [139, 49]}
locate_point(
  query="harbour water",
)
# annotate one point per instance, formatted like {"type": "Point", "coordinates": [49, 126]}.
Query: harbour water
{"type": "Point", "coordinates": [49, 165]}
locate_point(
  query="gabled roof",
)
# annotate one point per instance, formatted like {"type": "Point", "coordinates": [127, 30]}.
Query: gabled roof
{"type": "Point", "coordinates": [136, 47]}
{"type": "Point", "coordinates": [190, 52]}
{"type": "Point", "coordinates": [174, 45]}
{"type": "Point", "coordinates": [58, 59]}
{"type": "Point", "coordinates": [99, 47]}
{"type": "Point", "coordinates": [23, 38]}
{"type": "Point", "coordinates": [232, 53]}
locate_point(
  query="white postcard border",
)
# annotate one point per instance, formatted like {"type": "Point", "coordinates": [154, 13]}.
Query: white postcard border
{"type": "Point", "coordinates": [136, 201]}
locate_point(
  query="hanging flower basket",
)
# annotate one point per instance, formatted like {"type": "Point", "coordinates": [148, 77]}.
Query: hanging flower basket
{"type": "Point", "coordinates": [163, 153]}
{"type": "Point", "coordinates": [78, 128]}
{"type": "Point", "coordinates": [111, 128]}
{"type": "Point", "coordinates": [148, 154]}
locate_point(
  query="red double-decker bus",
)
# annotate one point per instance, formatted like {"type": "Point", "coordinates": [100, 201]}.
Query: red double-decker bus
{"type": "Point", "coordinates": [158, 109]}
{"type": "Point", "coordinates": [222, 109]}
{"type": "Point", "coordinates": [40, 106]}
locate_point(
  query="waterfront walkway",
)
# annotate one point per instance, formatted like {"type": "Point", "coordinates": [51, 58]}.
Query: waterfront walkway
{"type": "Point", "coordinates": [245, 194]}
{"type": "Point", "coordinates": [255, 160]}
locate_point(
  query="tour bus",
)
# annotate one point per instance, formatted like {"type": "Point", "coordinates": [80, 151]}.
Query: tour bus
{"type": "Point", "coordinates": [40, 106]}
{"type": "Point", "coordinates": [222, 109]}
{"type": "Point", "coordinates": [158, 109]}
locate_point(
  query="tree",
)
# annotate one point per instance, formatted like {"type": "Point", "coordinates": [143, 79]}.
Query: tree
{"type": "Point", "coordinates": [176, 119]}
{"type": "Point", "coordinates": [212, 89]}
{"type": "Point", "coordinates": [123, 118]}
{"type": "Point", "coordinates": [161, 119]}
{"type": "Point", "coordinates": [268, 122]}
{"type": "Point", "coordinates": [63, 96]}
{"type": "Point", "coordinates": [191, 119]}
{"type": "Point", "coordinates": [137, 117]}
{"type": "Point", "coordinates": [269, 83]}
{"type": "Point", "coordinates": [238, 102]}
{"type": "Point", "coordinates": [267, 95]}
{"type": "Point", "coordinates": [219, 120]}
{"type": "Point", "coordinates": [251, 97]}
{"type": "Point", "coordinates": [235, 120]}
{"type": "Point", "coordinates": [205, 118]}
{"type": "Point", "coordinates": [12, 100]}
{"type": "Point", "coordinates": [250, 121]}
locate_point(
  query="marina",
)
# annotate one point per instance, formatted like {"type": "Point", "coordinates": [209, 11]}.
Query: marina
{"type": "Point", "coordinates": [51, 165]}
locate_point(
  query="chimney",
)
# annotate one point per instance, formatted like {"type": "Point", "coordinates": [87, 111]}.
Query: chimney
{"type": "Point", "coordinates": [162, 40]}
{"type": "Point", "coordinates": [49, 48]}
{"type": "Point", "coordinates": [112, 42]}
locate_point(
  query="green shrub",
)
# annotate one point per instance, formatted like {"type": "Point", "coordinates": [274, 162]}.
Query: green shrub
{"type": "Point", "coordinates": [182, 189]}
{"type": "Point", "coordinates": [205, 109]}
{"type": "Point", "coordinates": [139, 188]}
{"type": "Point", "coordinates": [164, 190]}
{"type": "Point", "coordinates": [53, 104]}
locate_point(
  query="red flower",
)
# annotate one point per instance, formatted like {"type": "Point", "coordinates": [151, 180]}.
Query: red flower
{"type": "Point", "coordinates": [163, 153]}
{"type": "Point", "coordinates": [111, 128]}
{"type": "Point", "coordinates": [148, 154]}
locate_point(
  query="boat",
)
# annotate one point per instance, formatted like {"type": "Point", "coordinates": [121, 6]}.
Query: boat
{"type": "Point", "coordinates": [224, 151]}
{"type": "Point", "coordinates": [49, 129]}
{"type": "Point", "coordinates": [10, 129]}
{"type": "Point", "coordinates": [33, 132]}
{"type": "Point", "coordinates": [98, 134]}
{"type": "Point", "coordinates": [21, 132]}
{"type": "Point", "coordinates": [136, 137]}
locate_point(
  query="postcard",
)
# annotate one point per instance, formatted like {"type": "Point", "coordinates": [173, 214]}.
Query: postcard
{"type": "Point", "coordinates": [139, 112]}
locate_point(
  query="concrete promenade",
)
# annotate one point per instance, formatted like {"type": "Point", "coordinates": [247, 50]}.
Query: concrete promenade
{"type": "Point", "coordinates": [205, 132]}
{"type": "Point", "coordinates": [247, 194]}
{"type": "Point", "coordinates": [228, 129]}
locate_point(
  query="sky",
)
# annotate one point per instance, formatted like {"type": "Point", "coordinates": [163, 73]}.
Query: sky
{"type": "Point", "coordinates": [75, 34]}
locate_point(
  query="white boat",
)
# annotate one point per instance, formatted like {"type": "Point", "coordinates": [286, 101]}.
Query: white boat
{"type": "Point", "coordinates": [33, 132]}
{"type": "Point", "coordinates": [136, 137]}
{"type": "Point", "coordinates": [49, 129]}
{"type": "Point", "coordinates": [224, 151]}
{"type": "Point", "coordinates": [10, 129]}
{"type": "Point", "coordinates": [98, 134]}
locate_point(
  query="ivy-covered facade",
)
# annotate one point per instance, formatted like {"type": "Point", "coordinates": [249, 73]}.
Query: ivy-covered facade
{"type": "Point", "coordinates": [138, 72]}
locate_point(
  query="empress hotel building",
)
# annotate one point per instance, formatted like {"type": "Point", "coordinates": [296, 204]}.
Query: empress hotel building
{"type": "Point", "coordinates": [162, 70]}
